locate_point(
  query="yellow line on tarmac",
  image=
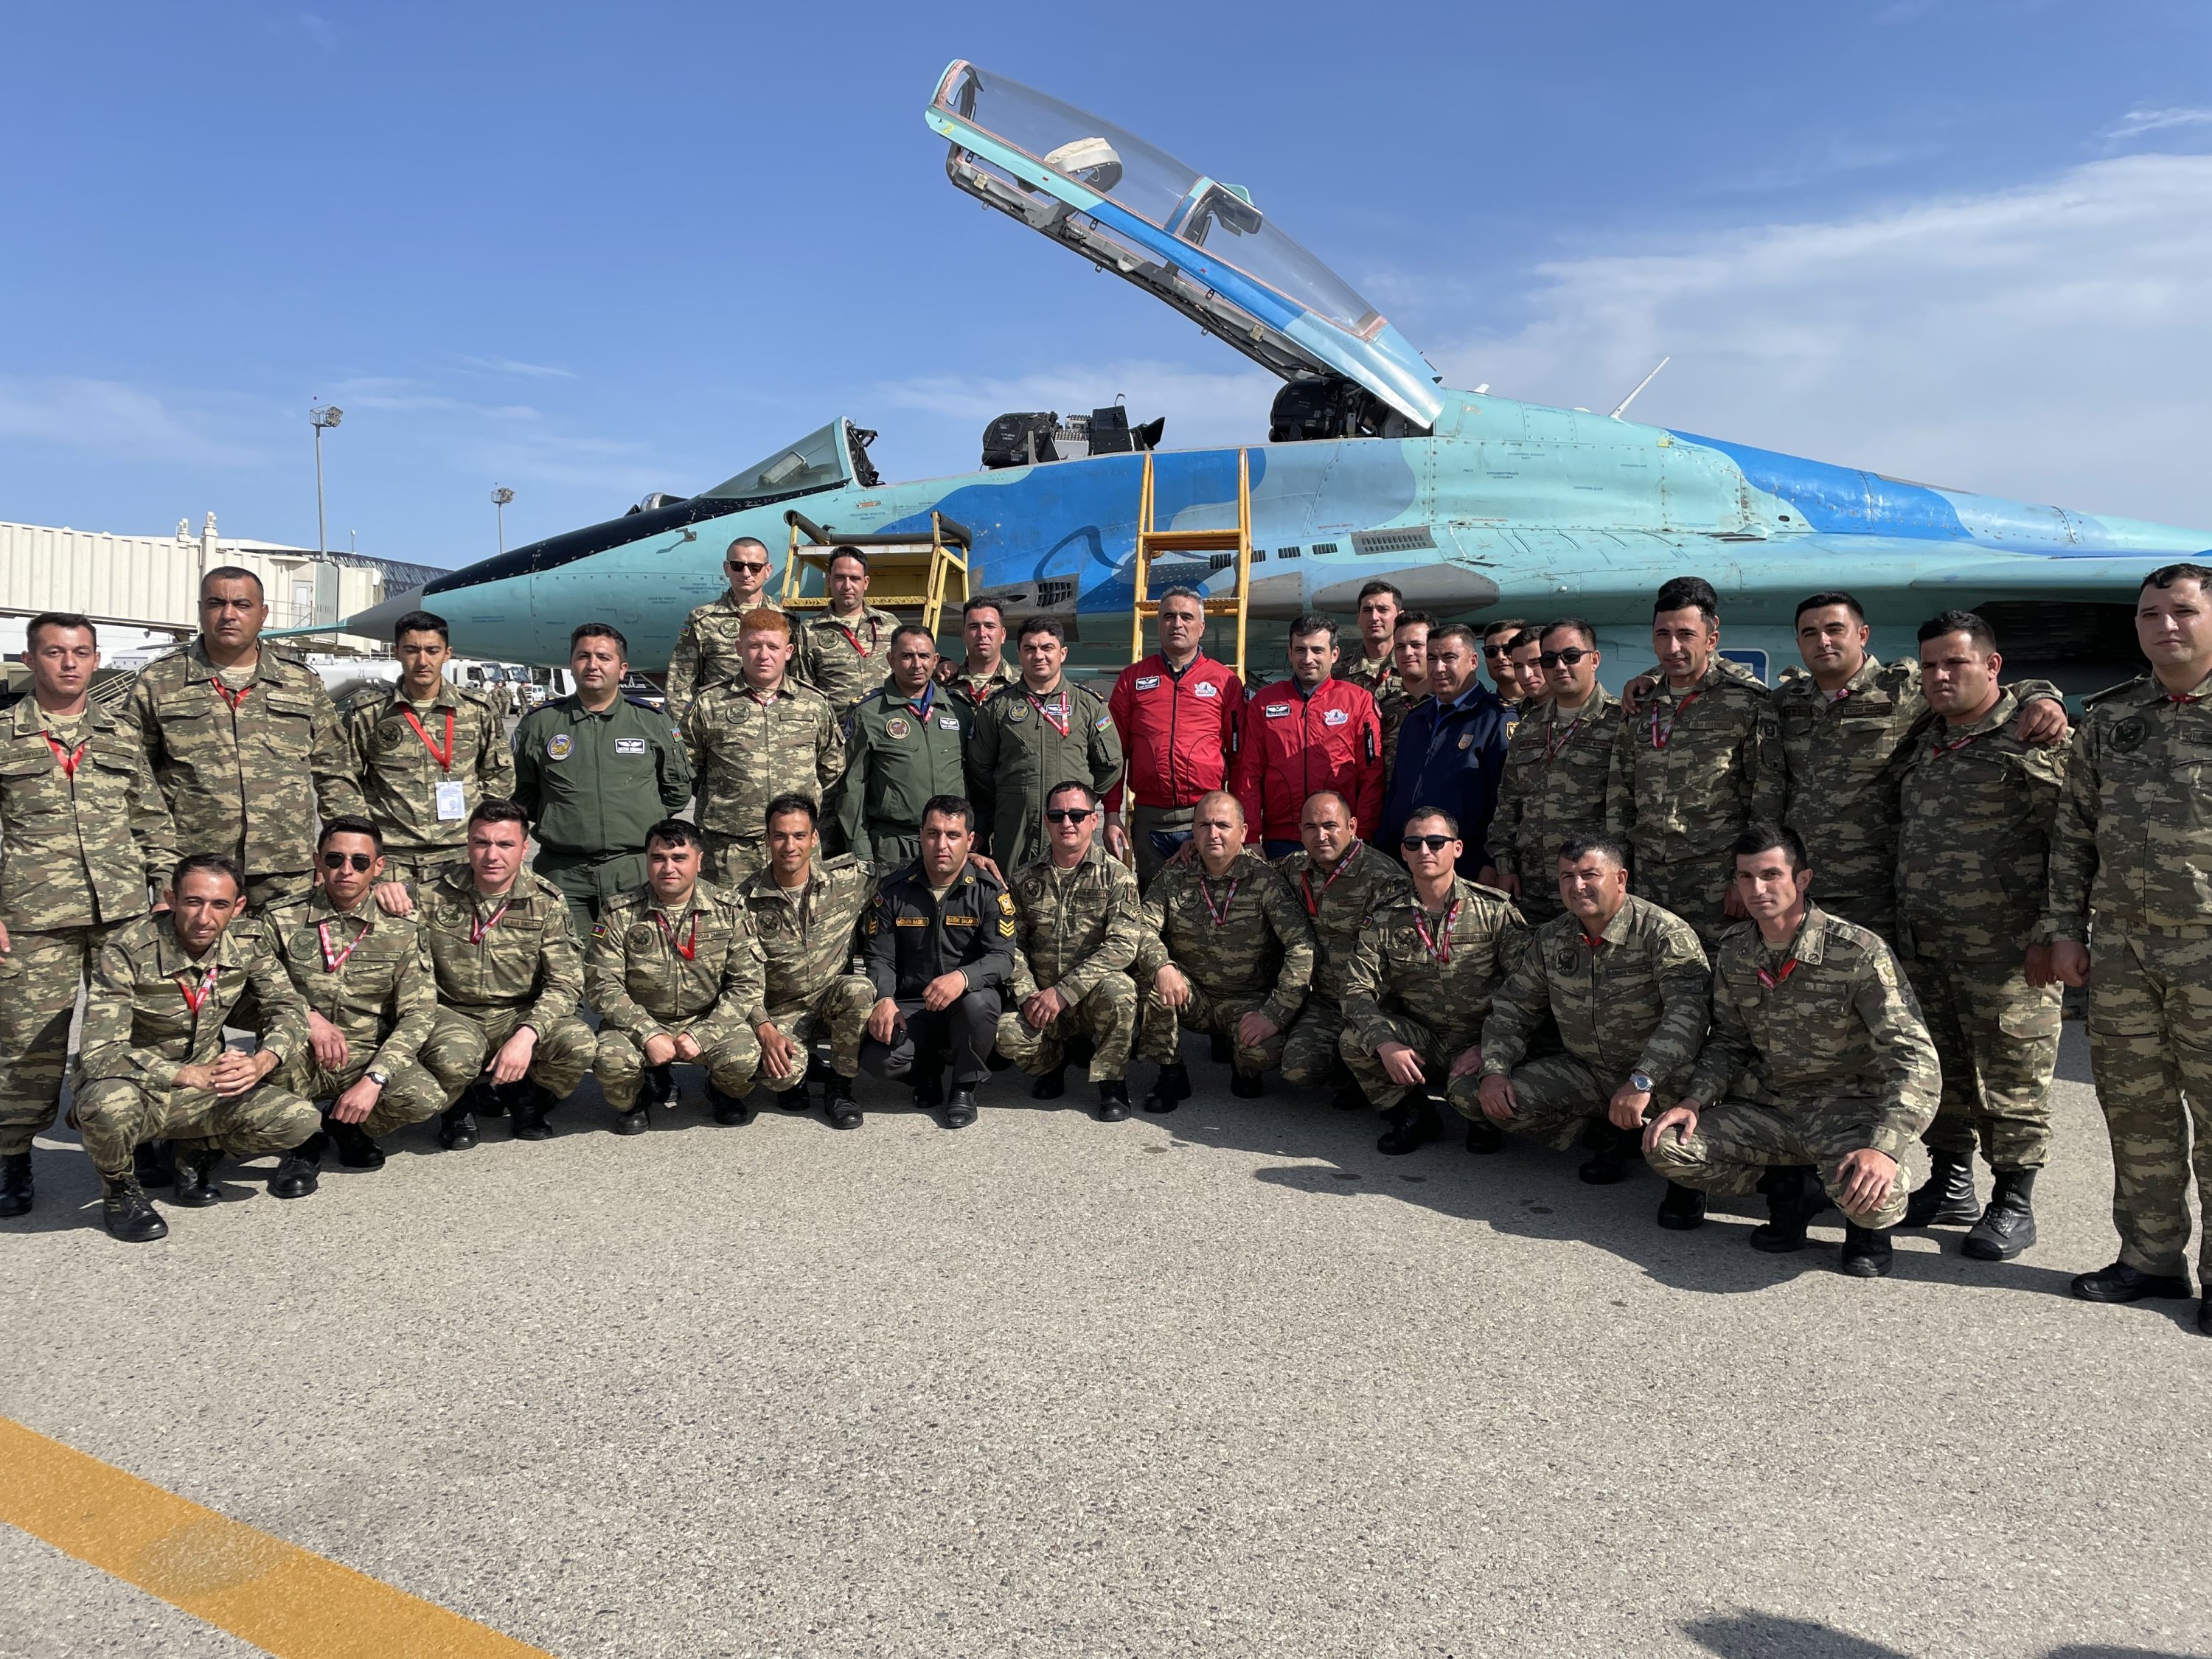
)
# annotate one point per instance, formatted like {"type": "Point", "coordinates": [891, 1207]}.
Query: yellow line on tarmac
{"type": "Point", "coordinates": [291, 1601]}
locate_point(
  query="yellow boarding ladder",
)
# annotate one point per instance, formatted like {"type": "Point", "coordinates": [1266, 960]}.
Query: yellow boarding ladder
{"type": "Point", "coordinates": [1151, 542]}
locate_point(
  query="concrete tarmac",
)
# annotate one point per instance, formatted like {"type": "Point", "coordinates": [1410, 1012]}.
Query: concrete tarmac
{"type": "Point", "coordinates": [1226, 1383]}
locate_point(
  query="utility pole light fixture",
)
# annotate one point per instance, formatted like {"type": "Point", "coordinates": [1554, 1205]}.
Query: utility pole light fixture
{"type": "Point", "coordinates": [500, 495]}
{"type": "Point", "coordinates": [319, 417]}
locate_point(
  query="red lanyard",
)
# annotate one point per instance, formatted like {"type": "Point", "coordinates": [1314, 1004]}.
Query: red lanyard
{"type": "Point", "coordinates": [196, 1000]}
{"type": "Point", "coordinates": [853, 636]}
{"type": "Point", "coordinates": [1770, 980]}
{"type": "Point", "coordinates": [1066, 719]}
{"type": "Point", "coordinates": [1439, 947]}
{"type": "Point", "coordinates": [443, 757]}
{"type": "Point", "coordinates": [1305, 878]}
{"type": "Point", "coordinates": [1220, 914]}
{"type": "Point", "coordinates": [2182, 698]}
{"type": "Point", "coordinates": [1659, 739]}
{"type": "Point", "coordinates": [483, 925]}
{"type": "Point", "coordinates": [689, 949]}
{"type": "Point", "coordinates": [233, 698]}
{"type": "Point", "coordinates": [1595, 943]}
{"type": "Point", "coordinates": [334, 960]}
{"type": "Point", "coordinates": [928, 701]}
{"type": "Point", "coordinates": [1934, 749]}
{"type": "Point", "coordinates": [67, 757]}
{"type": "Point", "coordinates": [1553, 745]}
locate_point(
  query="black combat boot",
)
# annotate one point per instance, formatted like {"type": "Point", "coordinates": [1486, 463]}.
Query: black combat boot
{"type": "Point", "coordinates": [1412, 1123]}
{"type": "Point", "coordinates": [1793, 1197]}
{"type": "Point", "coordinates": [1050, 1086]}
{"type": "Point", "coordinates": [1618, 1152]}
{"type": "Point", "coordinates": [2007, 1226]}
{"type": "Point", "coordinates": [528, 1106]}
{"type": "Point", "coordinates": [2122, 1283]}
{"type": "Point", "coordinates": [1113, 1100]}
{"type": "Point", "coordinates": [195, 1177]}
{"type": "Point", "coordinates": [124, 1207]}
{"type": "Point", "coordinates": [1866, 1253]}
{"type": "Point", "coordinates": [844, 1112]}
{"type": "Point", "coordinates": [297, 1174]}
{"type": "Point", "coordinates": [16, 1194]}
{"type": "Point", "coordinates": [457, 1127]}
{"type": "Point", "coordinates": [1683, 1209]}
{"type": "Point", "coordinates": [1350, 1098]}
{"type": "Point", "coordinates": [660, 1088]}
{"type": "Point", "coordinates": [355, 1150]}
{"type": "Point", "coordinates": [1247, 1086]}
{"type": "Point", "coordinates": [1947, 1199]}
{"type": "Point", "coordinates": [634, 1122]}
{"type": "Point", "coordinates": [1217, 1050]}
{"type": "Point", "coordinates": [1484, 1137]}
{"type": "Point", "coordinates": [1170, 1089]}
{"type": "Point", "coordinates": [960, 1109]}
{"type": "Point", "coordinates": [154, 1163]}
{"type": "Point", "coordinates": [729, 1109]}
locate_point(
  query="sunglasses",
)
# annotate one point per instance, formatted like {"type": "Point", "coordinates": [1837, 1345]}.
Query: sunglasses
{"type": "Point", "coordinates": [339, 860]}
{"type": "Point", "coordinates": [1434, 844]}
{"type": "Point", "coordinates": [1570, 657]}
{"type": "Point", "coordinates": [746, 566]}
{"type": "Point", "coordinates": [1493, 652]}
{"type": "Point", "coordinates": [1068, 814]}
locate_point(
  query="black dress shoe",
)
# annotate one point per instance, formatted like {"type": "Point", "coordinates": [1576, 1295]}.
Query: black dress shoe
{"type": "Point", "coordinates": [1112, 1101]}
{"type": "Point", "coordinates": [457, 1127]}
{"type": "Point", "coordinates": [154, 1163]}
{"type": "Point", "coordinates": [838, 1102]}
{"type": "Point", "coordinates": [1866, 1253]}
{"type": "Point", "coordinates": [633, 1121]}
{"type": "Point", "coordinates": [196, 1188]}
{"type": "Point", "coordinates": [2007, 1226]}
{"type": "Point", "coordinates": [1947, 1198]}
{"type": "Point", "coordinates": [1789, 1207]}
{"type": "Point", "coordinates": [734, 1111]}
{"type": "Point", "coordinates": [16, 1194]}
{"type": "Point", "coordinates": [355, 1150]}
{"type": "Point", "coordinates": [2121, 1283]}
{"type": "Point", "coordinates": [1050, 1086]}
{"type": "Point", "coordinates": [299, 1173]}
{"type": "Point", "coordinates": [960, 1109]}
{"type": "Point", "coordinates": [1216, 1050]}
{"type": "Point", "coordinates": [1411, 1124]}
{"type": "Point", "coordinates": [1170, 1089]}
{"type": "Point", "coordinates": [1617, 1154]}
{"type": "Point", "coordinates": [128, 1216]}
{"type": "Point", "coordinates": [1484, 1137]}
{"type": "Point", "coordinates": [528, 1109]}
{"type": "Point", "coordinates": [1683, 1209]}
{"type": "Point", "coordinates": [1247, 1086]}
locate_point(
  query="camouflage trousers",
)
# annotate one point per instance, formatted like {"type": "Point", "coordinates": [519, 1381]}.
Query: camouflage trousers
{"type": "Point", "coordinates": [1107, 1014]}
{"type": "Point", "coordinates": [462, 1042]}
{"type": "Point", "coordinates": [410, 1095]}
{"type": "Point", "coordinates": [1160, 1028]}
{"type": "Point", "coordinates": [1555, 1099]}
{"type": "Point", "coordinates": [1737, 1141]}
{"type": "Point", "coordinates": [1997, 1038]}
{"type": "Point", "coordinates": [837, 1014]}
{"type": "Point", "coordinates": [1437, 1050]}
{"type": "Point", "coordinates": [2150, 1049]}
{"type": "Point", "coordinates": [39, 978]}
{"type": "Point", "coordinates": [1693, 889]}
{"type": "Point", "coordinates": [730, 1060]}
{"type": "Point", "coordinates": [115, 1116]}
{"type": "Point", "coordinates": [1312, 1050]}
{"type": "Point", "coordinates": [731, 858]}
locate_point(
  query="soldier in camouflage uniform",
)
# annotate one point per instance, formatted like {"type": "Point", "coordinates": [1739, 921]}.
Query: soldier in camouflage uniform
{"type": "Point", "coordinates": [1698, 763]}
{"type": "Point", "coordinates": [1557, 765]}
{"type": "Point", "coordinates": [1227, 950]}
{"type": "Point", "coordinates": [845, 652]}
{"type": "Point", "coordinates": [1629, 987]}
{"type": "Point", "coordinates": [1817, 1078]}
{"type": "Point", "coordinates": [83, 832]}
{"type": "Point", "coordinates": [1426, 966]}
{"type": "Point", "coordinates": [1376, 670]}
{"type": "Point", "coordinates": [1079, 925]}
{"type": "Point", "coordinates": [1342, 881]}
{"type": "Point", "coordinates": [706, 651]}
{"type": "Point", "coordinates": [425, 752]}
{"type": "Point", "coordinates": [2132, 851]}
{"type": "Point", "coordinates": [985, 671]}
{"type": "Point", "coordinates": [1030, 739]}
{"type": "Point", "coordinates": [510, 971]}
{"type": "Point", "coordinates": [758, 737]}
{"type": "Point", "coordinates": [804, 912]}
{"type": "Point", "coordinates": [371, 997]}
{"type": "Point", "coordinates": [904, 744]}
{"type": "Point", "coordinates": [1976, 807]}
{"type": "Point", "coordinates": [151, 1063]}
{"type": "Point", "coordinates": [673, 969]}
{"type": "Point", "coordinates": [244, 743]}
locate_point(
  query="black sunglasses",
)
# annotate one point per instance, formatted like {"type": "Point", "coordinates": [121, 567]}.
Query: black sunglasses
{"type": "Point", "coordinates": [1434, 844]}
{"type": "Point", "coordinates": [1068, 814]}
{"type": "Point", "coordinates": [339, 860]}
{"type": "Point", "coordinates": [1570, 656]}
{"type": "Point", "coordinates": [744, 564]}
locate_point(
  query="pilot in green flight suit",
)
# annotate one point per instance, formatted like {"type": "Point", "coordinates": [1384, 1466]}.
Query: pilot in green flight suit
{"type": "Point", "coordinates": [904, 747]}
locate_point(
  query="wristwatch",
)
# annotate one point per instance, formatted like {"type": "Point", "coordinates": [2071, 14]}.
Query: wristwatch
{"type": "Point", "coordinates": [1639, 1082]}
{"type": "Point", "coordinates": [378, 1077]}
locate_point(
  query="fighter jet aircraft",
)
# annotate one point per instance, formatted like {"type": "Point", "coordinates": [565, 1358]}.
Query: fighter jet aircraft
{"type": "Point", "coordinates": [1370, 466]}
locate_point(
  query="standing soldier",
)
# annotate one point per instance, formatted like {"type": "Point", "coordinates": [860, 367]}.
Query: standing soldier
{"type": "Point", "coordinates": [426, 751]}
{"type": "Point", "coordinates": [1973, 849]}
{"type": "Point", "coordinates": [1556, 768]}
{"type": "Point", "coordinates": [673, 970]}
{"type": "Point", "coordinates": [371, 997]}
{"type": "Point", "coordinates": [1227, 952]}
{"type": "Point", "coordinates": [1814, 1025]}
{"type": "Point", "coordinates": [2132, 851]}
{"type": "Point", "coordinates": [1078, 924]}
{"type": "Point", "coordinates": [1409, 655]}
{"type": "Point", "coordinates": [1380, 604]}
{"type": "Point", "coordinates": [1178, 714]}
{"type": "Point", "coordinates": [758, 737]}
{"type": "Point", "coordinates": [1422, 977]}
{"type": "Point", "coordinates": [1526, 649]}
{"type": "Point", "coordinates": [904, 746]}
{"type": "Point", "coordinates": [805, 912]}
{"type": "Point", "coordinates": [985, 672]}
{"type": "Point", "coordinates": [1451, 749]}
{"type": "Point", "coordinates": [706, 650]}
{"type": "Point", "coordinates": [1498, 639]}
{"type": "Point", "coordinates": [1341, 880]}
{"type": "Point", "coordinates": [508, 975]}
{"type": "Point", "coordinates": [844, 653]}
{"type": "Point", "coordinates": [1630, 989]}
{"type": "Point", "coordinates": [1306, 733]}
{"type": "Point", "coordinates": [244, 742]}
{"type": "Point", "coordinates": [595, 771]}
{"type": "Point", "coordinates": [1033, 736]}
{"type": "Point", "coordinates": [151, 1064]}
{"type": "Point", "coordinates": [1700, 762]}
{"type": "Point", "coordinates": [83, 834]}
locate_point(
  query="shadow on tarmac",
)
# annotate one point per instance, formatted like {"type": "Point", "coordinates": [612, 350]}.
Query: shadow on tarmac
{"type": "Point", "coordinates": [1748, 1635]}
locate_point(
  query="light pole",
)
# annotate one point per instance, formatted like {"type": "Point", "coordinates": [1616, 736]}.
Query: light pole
{"type": "Point", "coordinates": [500, 495]}
{"type": "Point", "coordinates": [321, 416]}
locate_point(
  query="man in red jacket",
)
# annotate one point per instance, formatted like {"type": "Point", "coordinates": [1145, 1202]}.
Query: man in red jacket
{"type": "Point", "coordinates": [1180, 715]}
{"type": "Point", "coordinates": [1310, 732]}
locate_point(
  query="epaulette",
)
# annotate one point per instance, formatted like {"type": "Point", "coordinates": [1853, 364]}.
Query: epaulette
{"type": "Point", "coordinates": [634, 703]}
{"type": "Point", "coordinates": [2113, 692]}
{"type": "Point", "coordinates": [365, 696]}
{"type": "Point", "coordinates": [1498, 893]}
{"type": "Point", "coordinates": [842, 862]}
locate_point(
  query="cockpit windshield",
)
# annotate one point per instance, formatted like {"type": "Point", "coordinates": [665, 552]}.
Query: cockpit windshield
{"type": "Point", "coordinates": [817, 461]}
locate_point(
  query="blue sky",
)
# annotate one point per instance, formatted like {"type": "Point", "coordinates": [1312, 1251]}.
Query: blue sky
{"type": "Point", "coordinates": [590, 252]}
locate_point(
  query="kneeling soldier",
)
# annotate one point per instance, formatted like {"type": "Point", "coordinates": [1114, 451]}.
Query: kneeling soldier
{"type": "Point", "coordinates": [672, 969]}
{"type": "Point", "coordinates": [371, 998]}
{"type": "Point", "coordinates": [1420, 986]}
{"type": "Point", "coordinates": [151, 1064]}
{"type": "Point", "coordinates": [1077, 923]}
{"type": "Point", "coordinates": [509, 973]}
{"type": "Point", "coordinates": [803, 915]}
{"type": "Point", "coordinates": [1235, 970]}
{"type": "Point", "coordinates": [1630, 988]}
{"type": "Point", "coordinates": [1811, 1013]}
{"type": "Point", "coordinates": [1342, 881]}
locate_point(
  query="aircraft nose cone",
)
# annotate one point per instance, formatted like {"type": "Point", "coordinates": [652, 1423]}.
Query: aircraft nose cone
{"type": "Point", "coordinates": [376, 622]}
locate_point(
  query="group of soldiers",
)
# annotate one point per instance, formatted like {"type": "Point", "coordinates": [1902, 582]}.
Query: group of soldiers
{"type": "Point", "coordinates": [1804, 940]}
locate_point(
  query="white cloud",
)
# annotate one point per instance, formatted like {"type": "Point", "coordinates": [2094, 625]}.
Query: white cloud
{"type": "Point", "coordinates": [110, 418]}
{"type": "Point", "coordinates": [528, 371]}
{"type": "Point", "coordinates": [2051, 342]}
{"type": "Point", "coordinates": [2136, 122]}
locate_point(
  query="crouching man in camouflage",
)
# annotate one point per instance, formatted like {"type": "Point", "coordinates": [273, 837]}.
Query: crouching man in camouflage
{"type": "Point", "coordinates": [1342, 881]}
{"type": "Point", "coordinates": [151, 1064]}
{"type": "Point", "coordinates": [1077, 925]}
{"type": "Point", "coordinates": [371, 998]}
{"type": "Point", "coordinates": [673, 969]}
{"type": "Point", "coordinates": [509, 972]}
{"type": "Point", "coordinates": [1811, 1014]}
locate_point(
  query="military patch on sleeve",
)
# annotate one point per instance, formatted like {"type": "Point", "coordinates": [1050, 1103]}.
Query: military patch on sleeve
{"type": "Point", "coordinates": [1007, 902]}
{"type": "Point", "coordinates": [598, 930]}
{"type": "Point", "coordinates": [1006, 927]}
{"type": "Point", "coordinates": [1103, 721]}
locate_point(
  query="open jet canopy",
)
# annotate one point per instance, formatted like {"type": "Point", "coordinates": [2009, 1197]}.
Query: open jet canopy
{"type": "Point", "coordinates": [1204, 247]}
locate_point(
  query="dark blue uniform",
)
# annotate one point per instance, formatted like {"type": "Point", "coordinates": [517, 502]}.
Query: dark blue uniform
{"type": "Point", "coordinates": [1450, 755]}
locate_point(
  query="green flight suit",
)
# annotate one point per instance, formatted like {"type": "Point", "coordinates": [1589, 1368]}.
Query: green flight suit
{"type": "Point", "coordinates": [897, 755]}
{"type": "Point", "coordinates": [594, 784]}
